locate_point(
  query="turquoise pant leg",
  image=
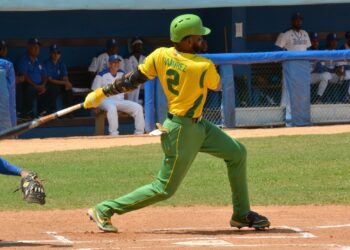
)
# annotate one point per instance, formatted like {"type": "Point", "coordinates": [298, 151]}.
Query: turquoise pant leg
{"type": "Point", "coordinates": [180, 147]}
{"type": "Point", "coordinates": [221, 145]}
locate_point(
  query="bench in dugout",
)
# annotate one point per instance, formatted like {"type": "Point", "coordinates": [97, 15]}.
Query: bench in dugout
{"type": "Point", "coordinates": [264, 88]}
{"type": "Point", "coordinates": [101, 119]}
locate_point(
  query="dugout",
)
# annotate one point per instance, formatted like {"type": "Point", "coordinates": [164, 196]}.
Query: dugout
{"type": "Point", "coordinates": [82, 32]}
{"type": "Point", "coordinates": [81, 27]}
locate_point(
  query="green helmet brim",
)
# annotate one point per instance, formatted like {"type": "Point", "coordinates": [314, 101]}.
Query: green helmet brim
{"type": "Point", "coordinates": [205, 31]}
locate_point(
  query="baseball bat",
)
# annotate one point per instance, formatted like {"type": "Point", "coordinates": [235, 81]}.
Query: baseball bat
{"type": "Point", "coordinates": [21, 128]}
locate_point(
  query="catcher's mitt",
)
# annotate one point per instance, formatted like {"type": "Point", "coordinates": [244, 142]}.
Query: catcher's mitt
{"type": "Point", "coordinates": [32, 189]}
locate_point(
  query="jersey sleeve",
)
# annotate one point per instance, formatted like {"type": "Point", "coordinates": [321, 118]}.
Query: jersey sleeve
{"type": "Point", "coordinates": [149, 66]}
{"type": "Point", "coordinates": [64, 71]}
{"type": "Point", "coordinates": [281, 41]}
{"type": "Point", "coordinates": [211, 78]}
{"type": "Point", "coordinates": [127, 65]}
{"type": "Point", "coordinates": [93, 65]}
{"type": "Point", "coordinates": [9, 169]}
{"type": "Point", "coordinates": [11, 75]}
{"type": "Point", "coordinates": [97, 83]}
{"type": "Point", "coordinates": [308, 42]}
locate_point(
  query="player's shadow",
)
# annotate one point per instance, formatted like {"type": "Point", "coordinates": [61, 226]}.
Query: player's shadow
{"type": "Point", "coordinates": [228, 231]}
{"type": "Point", "coordinates": [14, 244]}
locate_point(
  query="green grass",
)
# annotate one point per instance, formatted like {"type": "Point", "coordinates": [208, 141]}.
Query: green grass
{"type": "Point", "coordinates": [313, 169]}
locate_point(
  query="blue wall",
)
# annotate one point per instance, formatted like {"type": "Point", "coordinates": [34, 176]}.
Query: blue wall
{"type": "Point", "coordinates": [320, 18]}
{"type": "Point", "coordinates": [85, 24]}
{"type": "Point", "coordinates": [123, 23]}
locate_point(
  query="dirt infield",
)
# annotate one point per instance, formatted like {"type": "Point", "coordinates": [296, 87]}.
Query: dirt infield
{"type": "Point", "coordinates": [296, 227]}
{"type": "Point", "coordinates": [27, 146]}
{"type": "Point", "coordinates": [198, 227]}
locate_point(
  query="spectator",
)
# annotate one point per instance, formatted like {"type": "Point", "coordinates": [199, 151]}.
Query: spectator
{"type": "Point", "coordinates": [294, 39]}
{"type": "Point", "coordinates": [34, 85]}
{"type": "Point", "coordinates": [331, 71]}
{"type": "Point", "coordinates": [100, 62]}
{"type": "Point", "coordinates": [57, 80]}
{"type": "Point", "coordinates": [316, 66]}
{"type": "Point", "coordinates": [114, 103]}
{"type": "Point", "coordinates": [132, 62]}
{"type": "Point", "coordinates": [314, 41]}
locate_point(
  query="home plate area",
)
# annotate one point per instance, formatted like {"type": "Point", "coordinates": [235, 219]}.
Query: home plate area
{"type": "Point", "coordinates": [278, 237]}
{"type": "Point", "coordinates": [178, 228]}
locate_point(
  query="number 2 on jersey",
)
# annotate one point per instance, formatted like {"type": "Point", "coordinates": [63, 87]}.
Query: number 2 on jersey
{"type": "Point", "coordinates": [172, 80]}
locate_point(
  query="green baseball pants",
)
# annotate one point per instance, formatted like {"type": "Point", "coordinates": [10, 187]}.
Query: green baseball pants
{"type": "Point", "coordinates": [180, 146]}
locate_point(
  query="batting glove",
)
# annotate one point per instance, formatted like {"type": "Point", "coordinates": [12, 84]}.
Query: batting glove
{"type": "Point", "coordinates": [94, 99]}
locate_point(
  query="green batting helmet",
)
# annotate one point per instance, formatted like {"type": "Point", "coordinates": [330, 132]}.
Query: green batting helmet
{"type": "Point", "coordinates": [186, 25]}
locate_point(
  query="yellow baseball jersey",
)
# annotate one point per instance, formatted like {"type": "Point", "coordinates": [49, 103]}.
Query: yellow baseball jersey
{"type": "Point", "coordinates": [185, 79]}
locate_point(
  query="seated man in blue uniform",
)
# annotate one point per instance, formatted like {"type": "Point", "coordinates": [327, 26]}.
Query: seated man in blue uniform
{"type": "Point", "coordinates": [57, 80]}
{"type": "Point", "coordinates": [34, 85]}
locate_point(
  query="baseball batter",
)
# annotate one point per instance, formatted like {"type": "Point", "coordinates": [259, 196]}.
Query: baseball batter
{"type": "Point", "coordinates": [185, 78]}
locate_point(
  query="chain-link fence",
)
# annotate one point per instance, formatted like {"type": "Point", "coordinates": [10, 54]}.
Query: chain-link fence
{"type": "Point", "coordinates": [260, 98]}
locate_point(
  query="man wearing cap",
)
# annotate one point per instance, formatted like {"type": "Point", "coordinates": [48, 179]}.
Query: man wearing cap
{"type": "Point", "coordinates": [114, 103]}
{"type": "Point", "coordinates": [185, 78]}
{"type": "Point", "coordinates": [316, 66]}
{"type": "Point", "coordinates": [34, 85]}
{"type": "Point", "coordinates": [101, 62]}
{"type": "Point", "coordinates": [132, 62]}
{"type": "Point", "coordinates": [331, 71]}
{"type": "Point", "coordinates": [294, 39]}
{"type": "Point", "coordinates": [314, 41]}
{"type": "Point", "coordinates": [58, 82]}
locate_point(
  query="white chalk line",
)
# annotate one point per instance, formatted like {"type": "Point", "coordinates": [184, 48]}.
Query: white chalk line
{"type": "Point", "coordinates": [300, 233]}
{"type": "Point", "coordinates": [333, 246]}
{"type": "Point", "coordinates": [212, 243]}
{"type": "Point", "coordinates": [332, 226]}
{"type": "Point", "coordinates": [60, 238]}
{"type": "Point", "coordinates": [206, 241]}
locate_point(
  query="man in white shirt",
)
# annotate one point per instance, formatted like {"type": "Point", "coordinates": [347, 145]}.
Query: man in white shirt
{"type": "Point", "coordinates": [100, 62]}
{"type": "Point", "coordinates": [335, 72]}
{"type": "Point", "coordinates": [294, 39]}
{"type": "Point", "coordinates": [114, 103]}
{"type": "Point", "coordinates": [132, 62]}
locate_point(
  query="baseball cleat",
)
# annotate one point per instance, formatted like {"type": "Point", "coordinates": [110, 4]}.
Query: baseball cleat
{"type": "Point", "coordinates": [253, 220]}
{"type": "Point", "coordinates": [103, 223]}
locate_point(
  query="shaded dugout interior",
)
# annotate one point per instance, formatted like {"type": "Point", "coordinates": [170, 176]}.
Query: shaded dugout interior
{"type": "Point", "coordinates": [260, 27]}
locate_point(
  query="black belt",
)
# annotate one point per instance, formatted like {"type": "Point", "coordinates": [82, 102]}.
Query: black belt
{"type": "Point", "coordinates": [194, 120]}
